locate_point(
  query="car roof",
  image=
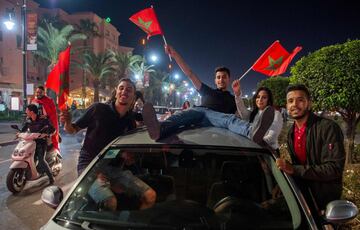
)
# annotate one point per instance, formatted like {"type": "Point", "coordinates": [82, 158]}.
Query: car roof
{"type": "Point", "coordinates": [202, 136]}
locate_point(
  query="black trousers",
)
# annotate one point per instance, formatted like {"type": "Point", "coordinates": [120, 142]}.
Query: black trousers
{"type": "Point", "coordinates": [40, 153]}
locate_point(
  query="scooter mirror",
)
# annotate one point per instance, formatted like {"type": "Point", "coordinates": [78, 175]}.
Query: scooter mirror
{"type": "Point", "coordinates": [15, 127]}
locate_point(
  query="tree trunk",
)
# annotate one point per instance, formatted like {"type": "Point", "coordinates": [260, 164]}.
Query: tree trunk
{"type": "Point", "coordinates": [83, 88]}
{"type": "Point", "coordinates": [96, 84]}
{"type": "Point", "coordinates": [49, 92]}
{"type": "Point", "coordinates": [351, 122]}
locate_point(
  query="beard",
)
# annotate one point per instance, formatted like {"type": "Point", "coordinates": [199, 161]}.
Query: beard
{"type": "Point", "coordinates": [301, 116]}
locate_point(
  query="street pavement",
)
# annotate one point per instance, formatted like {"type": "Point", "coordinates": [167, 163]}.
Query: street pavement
{"type": "Point", "coordinates": [26, 211]}
{"type": "Point", "coordinates": [7, 134]}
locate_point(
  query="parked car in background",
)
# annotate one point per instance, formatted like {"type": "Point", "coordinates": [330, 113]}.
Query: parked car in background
{"type": "Point", "coordinates": [161, 111]}
{"type": "Point", "coordinates": [204, 178]}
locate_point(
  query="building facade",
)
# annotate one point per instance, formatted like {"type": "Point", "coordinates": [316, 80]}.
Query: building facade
{"type": "Point", "coordinates": [11, 74]}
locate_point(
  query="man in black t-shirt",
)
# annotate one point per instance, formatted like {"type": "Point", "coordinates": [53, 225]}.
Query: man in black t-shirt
{"type": "Point", "coordinates": [214, 104]}
{"type": "Point", "coordinates": [36, 124]}
{"type": "Point", "coordinates": [104, 122]}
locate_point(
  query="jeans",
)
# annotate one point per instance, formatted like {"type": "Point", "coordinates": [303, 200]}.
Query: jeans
{"type": "Point", "coordinates": [206, 117]}
{"type": "Point", "coordinates": [42, 165]}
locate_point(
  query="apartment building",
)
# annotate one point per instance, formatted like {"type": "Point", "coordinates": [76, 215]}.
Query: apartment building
{"type": "Point", "coordinates": [11, 68]}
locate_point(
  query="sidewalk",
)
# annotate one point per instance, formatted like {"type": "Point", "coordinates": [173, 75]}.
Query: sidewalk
{"type": "Point", "coordinates": [7, 134]}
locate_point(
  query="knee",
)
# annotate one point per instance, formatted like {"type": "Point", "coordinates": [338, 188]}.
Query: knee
{"type": "Point", "coordinates": [148, 199]}
{"type": "Point", "coordinates": [110, 204]}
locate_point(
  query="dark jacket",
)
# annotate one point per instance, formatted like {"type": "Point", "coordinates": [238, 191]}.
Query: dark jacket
{"type": "Point", "coordinates": [325, 158]}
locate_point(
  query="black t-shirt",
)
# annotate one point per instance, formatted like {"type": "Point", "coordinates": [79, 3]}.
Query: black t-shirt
{"type": "Point", "coordinates": [103, 125]}
{"type": "Point", "coordinates": [217, 100]}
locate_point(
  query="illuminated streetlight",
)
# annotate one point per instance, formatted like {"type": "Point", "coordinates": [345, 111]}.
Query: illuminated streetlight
{"type": "Point", "coordinates": [177, 76]}
{"type": "Point", "coordinates": [9, 22]}
{"type": "Point", "coordinates": [10, 25]}
{"type": "Point", "coordinates": [137, 76]}
{"type": "Point", "coordinates": [253, 92]}
{"type": "Point", "coordinates": [154, 58]}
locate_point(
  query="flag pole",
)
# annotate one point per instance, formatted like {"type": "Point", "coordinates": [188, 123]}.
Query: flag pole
{"type": "Point", "coordinates": [166, 45]}
{"type": "Point", "coordinates": [245, 73]}
{"type": "Point", "coordinates": [163, 38]}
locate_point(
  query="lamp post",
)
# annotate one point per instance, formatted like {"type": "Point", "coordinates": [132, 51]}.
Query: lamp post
{"type": "Point", "coordinates": [23, 14]}
{"type": "Point", "coordinates": [9, 25]}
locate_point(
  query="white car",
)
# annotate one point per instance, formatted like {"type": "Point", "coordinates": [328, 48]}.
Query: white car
{"type": "Point", "coordinates": [204, 178]}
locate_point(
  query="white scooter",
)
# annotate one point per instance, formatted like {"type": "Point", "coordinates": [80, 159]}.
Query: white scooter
{"type": "Point", "coordinates": [24, 163]}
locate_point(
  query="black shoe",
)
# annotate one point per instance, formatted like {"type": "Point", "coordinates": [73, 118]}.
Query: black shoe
{"type": "Point", "coordinates": [151, 121]}
{"type": "Point", "coordinates": [267, 119]}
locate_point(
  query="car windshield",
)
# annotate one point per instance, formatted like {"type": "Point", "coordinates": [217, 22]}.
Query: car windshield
{"type": "Point", "coordinates": [210, 188]}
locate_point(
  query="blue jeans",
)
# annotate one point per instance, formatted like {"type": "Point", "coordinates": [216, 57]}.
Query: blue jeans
{"type": "Point", "coordinates": [207, 117]}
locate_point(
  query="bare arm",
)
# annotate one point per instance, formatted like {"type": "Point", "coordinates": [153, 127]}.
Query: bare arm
{"type": "Point", "coordinates": [184, 67]}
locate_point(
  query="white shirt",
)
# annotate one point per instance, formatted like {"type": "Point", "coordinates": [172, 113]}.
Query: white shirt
{"type": "Point", "coordinates": [272, 135]}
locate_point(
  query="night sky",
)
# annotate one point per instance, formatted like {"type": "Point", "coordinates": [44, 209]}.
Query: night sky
{"type": "Point", "coordinates": [228, 32]}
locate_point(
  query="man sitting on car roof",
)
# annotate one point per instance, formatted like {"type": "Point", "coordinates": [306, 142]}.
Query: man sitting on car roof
{"type": "Point", "coordinates": [215, 102]}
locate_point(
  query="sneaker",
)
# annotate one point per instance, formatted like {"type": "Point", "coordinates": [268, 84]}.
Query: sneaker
{"type": "Point", "coordinates": [151, 121]}
{"type": "Point", "coordinates": [267, 119]}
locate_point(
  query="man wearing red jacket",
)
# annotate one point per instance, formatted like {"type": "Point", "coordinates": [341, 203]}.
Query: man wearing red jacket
{"type": "Point", "coordinates": [47, 108]}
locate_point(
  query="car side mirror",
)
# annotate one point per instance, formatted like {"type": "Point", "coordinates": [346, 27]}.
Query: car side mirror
{"type": "Point", "coordinates": [340, 211]}
{"type": "Point", "coordinates": [52, 196]}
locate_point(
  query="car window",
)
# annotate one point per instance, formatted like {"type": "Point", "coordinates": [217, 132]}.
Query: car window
{"type": "Point", "coordinates": [195, 188]}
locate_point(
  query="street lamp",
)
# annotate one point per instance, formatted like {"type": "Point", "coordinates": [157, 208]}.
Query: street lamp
{"type": "Point", "coordinates": [153, 58]}
{"type": "Point", "coordinates": [9, 25]}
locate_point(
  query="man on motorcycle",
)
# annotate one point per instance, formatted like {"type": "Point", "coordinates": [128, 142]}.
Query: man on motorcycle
{"type": "Point", "coordinates": [36, 124]}
{"type": "Point", "coordinates": [47, 109]}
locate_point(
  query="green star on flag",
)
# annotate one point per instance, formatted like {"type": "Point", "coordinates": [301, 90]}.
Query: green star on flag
{"type": "Point", "coordinates": [274, 64]}
{"type": "Point", "coordinates": [145, 25]}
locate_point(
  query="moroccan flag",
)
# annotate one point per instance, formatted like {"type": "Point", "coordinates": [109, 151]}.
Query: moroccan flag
{"type": "Point", "coordinates": [274, 60]}
{"type": "Point", "coordinates": [58, 79]}
{"type": "Point", "coordinates": [147, 21]}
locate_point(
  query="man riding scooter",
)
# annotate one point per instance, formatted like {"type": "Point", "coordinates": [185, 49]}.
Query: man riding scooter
{"type": "Point", "coordinates": [36, 124]}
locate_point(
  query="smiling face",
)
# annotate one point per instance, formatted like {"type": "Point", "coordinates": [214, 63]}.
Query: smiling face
{"type": "Point", "coordinates": [297, 104]}
{"type": "Point", "coordinates": [262, 100]}
{"type": "Point", "coordinates": [125, 93]}
{"type": "Point", "coordinates": [222, 80]}
{"type": "Point", "coordinates": [39, 93]}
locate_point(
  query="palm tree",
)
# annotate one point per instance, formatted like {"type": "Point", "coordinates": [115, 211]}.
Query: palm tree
{"type": "Point", "coordinates": [90, 29]}
{"type": "Point", "coordinates": [98, 66]}
{"type": "Point", "coordinates": [154, 91]}
{"type": "Point", "coordinates": [52, 41]}
{"type": "Point", "coordinates": [124, 62]}
{"type": "Point", "coordinates": [139, 69]}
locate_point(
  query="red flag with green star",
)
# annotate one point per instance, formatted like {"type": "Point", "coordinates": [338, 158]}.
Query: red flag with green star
{"type": "Point", "coordinates": [147, 21]}
{"type": "Point", "coordinates": [275, 60]}
{"type": "Point", "coordinates": [58, 79]}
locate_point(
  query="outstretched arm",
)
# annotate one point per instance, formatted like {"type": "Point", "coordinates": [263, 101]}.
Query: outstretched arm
{"type": "Point", "coordinates": [184, 67]}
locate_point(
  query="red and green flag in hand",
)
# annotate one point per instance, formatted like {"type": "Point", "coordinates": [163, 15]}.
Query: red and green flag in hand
{"type": "Point", "coordinates": [58, 79]}
{"type": "Point", "coordinates": [275, 60]}
{"type": "Point", "coordinates": [146, 19]}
